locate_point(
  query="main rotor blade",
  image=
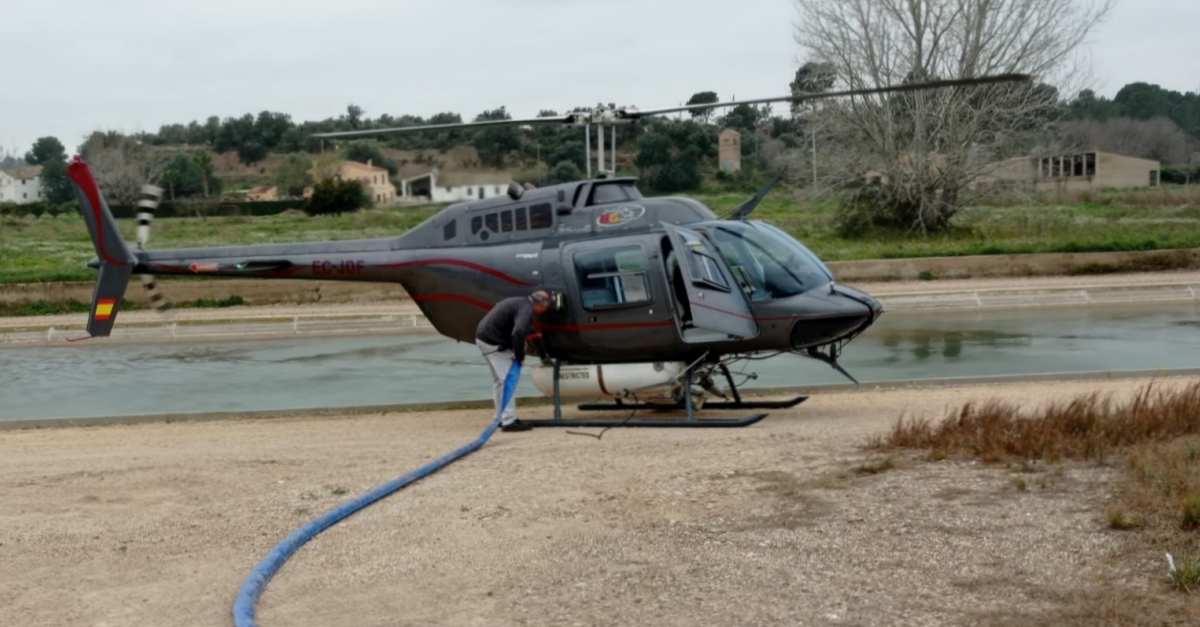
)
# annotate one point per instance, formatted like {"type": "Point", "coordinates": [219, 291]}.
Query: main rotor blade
{"type": "Point", "coordinates": [801, 97]}
{"type": "Point", "coordinates": [630, 115]}
{"type": "Point", "coordinates": [561, 119]}
{"type": "Point", "coordinates": [745, 208]}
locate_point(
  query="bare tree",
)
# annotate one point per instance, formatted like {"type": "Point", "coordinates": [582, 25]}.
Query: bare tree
{"type": "Point", "coordinates": [121, 165]}
{"type": "Point", "coordinates": [326, 167]}
{"type": "Point", "coordinates": [926, 147]}
{"type": "Point", "coordinates": [10, 159]}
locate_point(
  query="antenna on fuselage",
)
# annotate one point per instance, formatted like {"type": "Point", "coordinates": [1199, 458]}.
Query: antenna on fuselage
{"type": "Point", "coordinates": [745, 208]}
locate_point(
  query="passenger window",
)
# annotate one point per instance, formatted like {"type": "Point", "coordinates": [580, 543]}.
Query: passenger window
{"type": "Point", "coordinates": [490, 220]}
{"type": "Point", "coordinates": [541, 216]}
{"type": "Point", "coordinates": [476, 224]}
{"type": "Point", "coordinates": [506, 220]}
{"type": "Point", "coordinates": [450, 230]}
{"type": "Point", "coordinates": [612, 277]}
{"type": "Point", "coordinates": [522, 219]}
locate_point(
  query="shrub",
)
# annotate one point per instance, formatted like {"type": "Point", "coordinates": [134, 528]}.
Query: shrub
{"type": "Point", "coordinates": [335, 196]}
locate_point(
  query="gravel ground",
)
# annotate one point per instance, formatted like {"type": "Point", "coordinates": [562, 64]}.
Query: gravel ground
{"type": "Point", "coordinates": [783, 522]}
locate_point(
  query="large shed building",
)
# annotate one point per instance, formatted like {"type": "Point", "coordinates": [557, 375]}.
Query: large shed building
{"type": "Point", "coordinates": [1092, 169]}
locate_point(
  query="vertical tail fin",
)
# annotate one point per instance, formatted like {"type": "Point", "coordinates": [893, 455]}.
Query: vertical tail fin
{"type": "Point", "coordinates": [116, 259]}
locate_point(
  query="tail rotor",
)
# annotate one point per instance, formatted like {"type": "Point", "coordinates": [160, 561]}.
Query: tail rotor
{"type": "Point", "coordinates": [151, 196]}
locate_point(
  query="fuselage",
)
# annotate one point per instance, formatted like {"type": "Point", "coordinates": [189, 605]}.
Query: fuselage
{"type": "Point", "coordinates": [626, 269]}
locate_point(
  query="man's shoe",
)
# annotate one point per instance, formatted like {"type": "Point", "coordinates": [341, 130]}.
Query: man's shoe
{"type": "Point", "coordinates": [516, 425]}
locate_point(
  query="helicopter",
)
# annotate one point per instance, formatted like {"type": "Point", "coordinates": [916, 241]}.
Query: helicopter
{"type": "Point", "coordinates": [653, 298]}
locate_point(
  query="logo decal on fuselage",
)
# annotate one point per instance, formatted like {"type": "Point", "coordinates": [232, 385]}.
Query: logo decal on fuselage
{"type": "Point", "coordinates": [620, 215]}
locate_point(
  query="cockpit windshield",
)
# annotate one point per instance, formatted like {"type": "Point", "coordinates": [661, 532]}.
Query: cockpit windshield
{"type": "Point", "coordinates": [766, 261]}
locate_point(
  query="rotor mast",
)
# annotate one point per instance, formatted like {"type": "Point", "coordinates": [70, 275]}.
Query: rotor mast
{"type": "Point", "coordinates": [601, 116]}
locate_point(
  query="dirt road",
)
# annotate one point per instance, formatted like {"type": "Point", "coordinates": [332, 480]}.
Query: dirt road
{"type": "Point", "coordinates": [788, 522]}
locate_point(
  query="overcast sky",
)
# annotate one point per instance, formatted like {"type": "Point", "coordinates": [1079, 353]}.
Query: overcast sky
{"type": "Point", "coordinates": [74, 66]}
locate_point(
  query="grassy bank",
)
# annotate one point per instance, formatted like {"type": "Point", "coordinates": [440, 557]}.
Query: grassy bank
{"type": "Point", "coordinates": [1154, 437]}
{"type": "Point", "coordinates": [56, 248]}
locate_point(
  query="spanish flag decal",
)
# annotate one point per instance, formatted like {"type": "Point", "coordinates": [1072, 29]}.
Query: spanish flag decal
{"type": "Point", "coordinates": [104, 308]}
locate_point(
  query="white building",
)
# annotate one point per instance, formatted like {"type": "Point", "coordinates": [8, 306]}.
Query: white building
{"type": "Point", "coordinates": [436, 186]}
{"type": "Point", "coordinates": [22, 185]}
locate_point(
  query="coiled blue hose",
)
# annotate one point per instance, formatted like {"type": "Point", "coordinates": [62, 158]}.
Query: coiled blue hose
{"type": "Point", "coordinates": [256, 581]}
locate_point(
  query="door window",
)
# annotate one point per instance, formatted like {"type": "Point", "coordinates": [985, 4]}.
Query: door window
{"type": "Point", "coordinates": [703, 267]}
{"type": "Point", "coordinates": [612, 277]}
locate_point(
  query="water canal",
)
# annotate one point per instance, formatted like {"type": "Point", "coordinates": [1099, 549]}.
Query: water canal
{"type": "Point", "coordinates": [94, 379]}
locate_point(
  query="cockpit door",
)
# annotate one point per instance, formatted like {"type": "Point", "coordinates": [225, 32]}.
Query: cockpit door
{"type": "Point", "coordinates": [718, 307]}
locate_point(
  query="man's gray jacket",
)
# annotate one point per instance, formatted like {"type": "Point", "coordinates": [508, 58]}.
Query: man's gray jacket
{"type": "Point", "coordinates": [507, 324]}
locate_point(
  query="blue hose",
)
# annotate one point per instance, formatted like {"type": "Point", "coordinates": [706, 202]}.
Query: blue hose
{"type": "Point", "coordinates": [256, 581]}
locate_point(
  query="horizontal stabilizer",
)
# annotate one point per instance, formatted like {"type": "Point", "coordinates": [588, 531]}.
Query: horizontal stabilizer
{"type": "Point", "coordinates": [106, 298]}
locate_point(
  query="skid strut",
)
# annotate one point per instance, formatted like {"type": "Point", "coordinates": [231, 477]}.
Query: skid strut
{"type": "Point", "coordinates": [736, 403]}
{"type": "Point", "coordinates": [688, 421]}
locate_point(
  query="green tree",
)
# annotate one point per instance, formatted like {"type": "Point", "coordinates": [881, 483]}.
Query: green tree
{"type": "Point", "coordinates": [49, 153]}
{"type": "Point", "coordinates": [671, 154]}
{"type": "Point", "coordinates": [235, 133]}
{"type": "Point", "coordinates": [363, 151]}
{"type": "Point", "coordinates": [703, 97]}
{"type": "Point", "coordinates": [270, 128]}
{"type": "Point", "coordinates": [252, 152]}
{"type": "Point", "coordinates": [292, 175]}
{"type": "Point", "coordinates": [493, 143]}
{"type": "Point", "coordinates": [46, 149]}
{"type": "Point", "coordinates": [563, 172]}
{"type": "Point", "coordinates": [204, 161]}
{"type": "Point", "coordinates": [745, 118]}
{"type": "Point", "coordinates": [354, 116]}
{"type": "Point", "coordinates": [335, 197]}
{"type": "Point", "coordinates": [812, 78]}
{"type": "Point", "coordinates": [183, 176]}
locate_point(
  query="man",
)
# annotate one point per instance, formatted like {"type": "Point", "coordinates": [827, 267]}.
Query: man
{"type": "Point", "coordinates": [501, 338]}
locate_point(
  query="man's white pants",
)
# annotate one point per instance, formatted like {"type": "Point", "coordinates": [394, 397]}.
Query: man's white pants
{"type": "Point", "coordinates": [500, 360]}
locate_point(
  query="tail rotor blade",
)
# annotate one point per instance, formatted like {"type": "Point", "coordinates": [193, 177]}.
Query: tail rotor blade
{"type": "Point", "coordinates": [151, 196]}
{"type": "Point", "coordinates": [147, 205]}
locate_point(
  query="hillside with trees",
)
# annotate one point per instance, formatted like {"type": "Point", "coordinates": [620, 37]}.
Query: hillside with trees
{"type": "Point", "coordinates": [217, 159]}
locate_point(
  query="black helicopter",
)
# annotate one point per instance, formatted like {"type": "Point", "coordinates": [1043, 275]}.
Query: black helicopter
{"type": "Point", "coordinates": [652, 296]}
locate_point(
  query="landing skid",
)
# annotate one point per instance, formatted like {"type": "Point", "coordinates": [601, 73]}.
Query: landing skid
{"type": "Point", "coordinates": [688, 421]}
{"type": "Point", "coordinates": [683, 423]}
{"type": "Point", "coordinates": [618, 405]}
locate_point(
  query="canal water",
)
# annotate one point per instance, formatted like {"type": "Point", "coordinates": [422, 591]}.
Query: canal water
{"type": "Point", "coordinates": [94, 379]}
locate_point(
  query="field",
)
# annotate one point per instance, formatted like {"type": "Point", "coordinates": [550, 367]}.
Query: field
{"type": "Point", "coordinates": [57, 248]}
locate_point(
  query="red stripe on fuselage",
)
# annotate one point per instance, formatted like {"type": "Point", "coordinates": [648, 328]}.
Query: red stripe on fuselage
{"type": "Point", "coordinates": [728, 313]}
{"type": "Point", "coordinates": [603, 326]}
{"type": "Point", "coordinates": [78, 171]}
{"type": "Point", "coordinates": [458, 262]}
